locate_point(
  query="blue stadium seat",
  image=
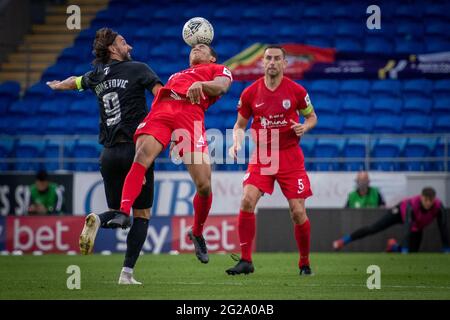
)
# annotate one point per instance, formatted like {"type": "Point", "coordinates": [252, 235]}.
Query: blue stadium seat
{"type": "Point", "coordinates": [39, 91]}
{"type": "Point", "coordinates": [354, 87]}
{"type": "Point", "coordinates": [386, 148]}
{"type": "Point", "coordinates": [57, 71]}
{"type": "Point", "coordinates": [54, 107]}
{"type": "Point", "coordinates": [418, 87]}
{"type": "Point", "coordinates": [54, 152]}
{"type": "Point", "coordinates": [325, 87]}
{"type": "Point", "coordinates": [145, 33]}
{"type": "Point", "coordinates": [378, 45]}
{"type": "Point", "coordinates": [410, 29]}
{"type": "Point", "coordinates": [24, 107]}
{"type": "Point", "coordinates": [418, 148]}
{"type": "Point", "coordinates": [32, 125]}
{"type": "Point", "coordinates": [324, 105]}
{"type": "Point", "coordinates": [291, 32]}
{"type": "Point", "coordinates": [25, 152]}
{"type": "Point", "coordinates": [226, 50]}
{"type": "Point", "coordinates": [387, 105]}
{"type": "Point", "coordinates": [8, 124]}
{"type": "Point", "coordinates": [417, 124]}
{"type": "Point", "coordinates": [59, 125]}
{"type": "Point", "coordinates": [348, 45]}
{"type": "Point", "coordinates": [324, 41]}
{"type": "Point", "coordinates": [408, 12]}
{"type": "Point", "coordinates": [417, 106]}
{"type": "Point", "coordinates": [327, 148]}
{"type": "Point", "coordinates": [442, 124]}
{"type": "Point", "coordinates": [439, 151]}
{"type": "Point", "coordinates": [86, 149]}
{"type": "Point", "coordinates": [354, 148]}
{"type": "Point", "coordinates": [436, 27]}
{"type": "Point", "coordinates": [141, 50]}
{"type": "Point", "coordinates": [9, 93]}
{"type": "Point", "coordinates": [328, 125]}
{"type": "Point", "coordinates": [307, 146]}
{"type": "Point", "coordinates": [85, 125]}
{"type": "Point", "coordinates": [409, 46]}
{"type": "Point", "coordinates": [227, 14]}
{"type": "Point", "coordinates": [387, 123]}
{"type": "Point", "coordinates": [357, 124]}
{"type": "Point", "coordinates": [349, 29]}
{"type": "Point", "coordinates": [6, 148]}
{"type": "Point", "coordinates": [441, 88]}
{"type": "Point", "coordinates": [10, 89]}
{"type": "Point", "coordinates": [385, 89]}
{"type": "Point", "coordinates": [441, 107]}
{"type": "Point", "coordinates": [437, 11]}
{"type": "Point", "coordinates": [317, 12]}
{"type": "Point", "coordinates": [87, 106]}
{"type": "Point", "coordinates": [319, 30]}
{"type": "Point", "coordinates": [437, 45]}
{"type": "Point", "coordinates": [356, 106]}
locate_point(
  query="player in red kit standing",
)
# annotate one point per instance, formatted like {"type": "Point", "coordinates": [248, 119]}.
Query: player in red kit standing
{"type": "Point", "coordinates": [177, 114]}
{"type": "Point", "coordinates": [275, 103]}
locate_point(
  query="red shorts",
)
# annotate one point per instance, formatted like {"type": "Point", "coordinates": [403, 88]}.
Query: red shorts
{"type": "Point", "coordinates": [290, 175]}
{"type": "Point", "coordinates": [176, 120]}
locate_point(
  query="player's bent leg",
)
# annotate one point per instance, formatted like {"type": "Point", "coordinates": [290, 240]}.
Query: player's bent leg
{"type": "Point", "coordinates": [147, 149]}
{"type": "Point", "coordinates": [200, 170]}
{"type": "Point", "coordinates": [87, 236]}
{"type": "Point", "coordinates": [302, 231]}
{"type": "Point", "coordinates": [135, 240]}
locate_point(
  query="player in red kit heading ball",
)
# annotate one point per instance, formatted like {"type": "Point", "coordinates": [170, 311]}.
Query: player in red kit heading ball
{"type": "Point", "coordinates": [178, 114]}
{"type": "Point", "coordinates": [275, 102]}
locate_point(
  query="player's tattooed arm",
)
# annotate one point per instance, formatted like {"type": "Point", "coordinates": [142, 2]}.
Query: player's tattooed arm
{"type": "Point", "coordinates": [301, 128]}
{"type": "Point", "coordinates": [68, 84]}
{"type": "Point", "coordinates": [238, 135]}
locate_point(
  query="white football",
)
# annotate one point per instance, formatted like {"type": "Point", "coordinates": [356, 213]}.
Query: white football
{"type": "Point", "coordinates": [198, 30]}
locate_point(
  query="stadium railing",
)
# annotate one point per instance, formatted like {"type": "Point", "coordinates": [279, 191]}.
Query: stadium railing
{"type": "Point", "coordinates": [319, 150]}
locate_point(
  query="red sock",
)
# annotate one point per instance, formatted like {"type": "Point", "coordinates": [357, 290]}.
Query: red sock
{"type": "Point", "coordinates": [302, 235]}
{"type": "Point", "coordinates": [247, 229]}
{"type": "Point", "coordinates": [132, 186]}
{"type": "Point", "coordinates": [202, 205]}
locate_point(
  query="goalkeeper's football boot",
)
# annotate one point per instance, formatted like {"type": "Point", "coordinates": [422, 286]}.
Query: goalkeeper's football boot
{"type": "Point", "coordinates": [201, 251]}
{"type": "Point", "coordinates": [121, 220]}
{"type": "Point", "coordinates": [243, 266]}
{"type": "Point", "coordinates": [127, 278]}
{"type": "Point", "coordinates": [306, 271]}
{"type": "Point", "coordinates": [87, 236]}
{"type": "Point", "coordinates": [392, 245]}
{"type": "Point", "coordinates": [338, 244]}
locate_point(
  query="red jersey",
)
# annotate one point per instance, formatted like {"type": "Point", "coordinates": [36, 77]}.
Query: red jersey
{"type": "Point", "coordinates": [181, 81]}
{"type": "Point", "coordinates": [274, 110]}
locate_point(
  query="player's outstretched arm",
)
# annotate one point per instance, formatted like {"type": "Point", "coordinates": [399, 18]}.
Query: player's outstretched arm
{"type": "Point", "coordinates": [68, 84]}
{"type": "Point", "coordinates": [238, 135]}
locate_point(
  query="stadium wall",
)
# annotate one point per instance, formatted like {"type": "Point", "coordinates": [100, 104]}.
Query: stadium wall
{"type": "Point", "coordinates": [84, 192]}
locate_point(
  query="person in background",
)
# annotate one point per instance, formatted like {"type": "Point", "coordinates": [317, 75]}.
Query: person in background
{"type": "Point", "coordinates": [44, 196]}
{"type": "Point", "coordinates": [364, 196]}
{"type": "Point", "coordinates": [415, 213]}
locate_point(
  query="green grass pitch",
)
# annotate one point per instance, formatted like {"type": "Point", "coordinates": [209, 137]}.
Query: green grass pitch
{"type": "Point", "coordinates": [337, 276]}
